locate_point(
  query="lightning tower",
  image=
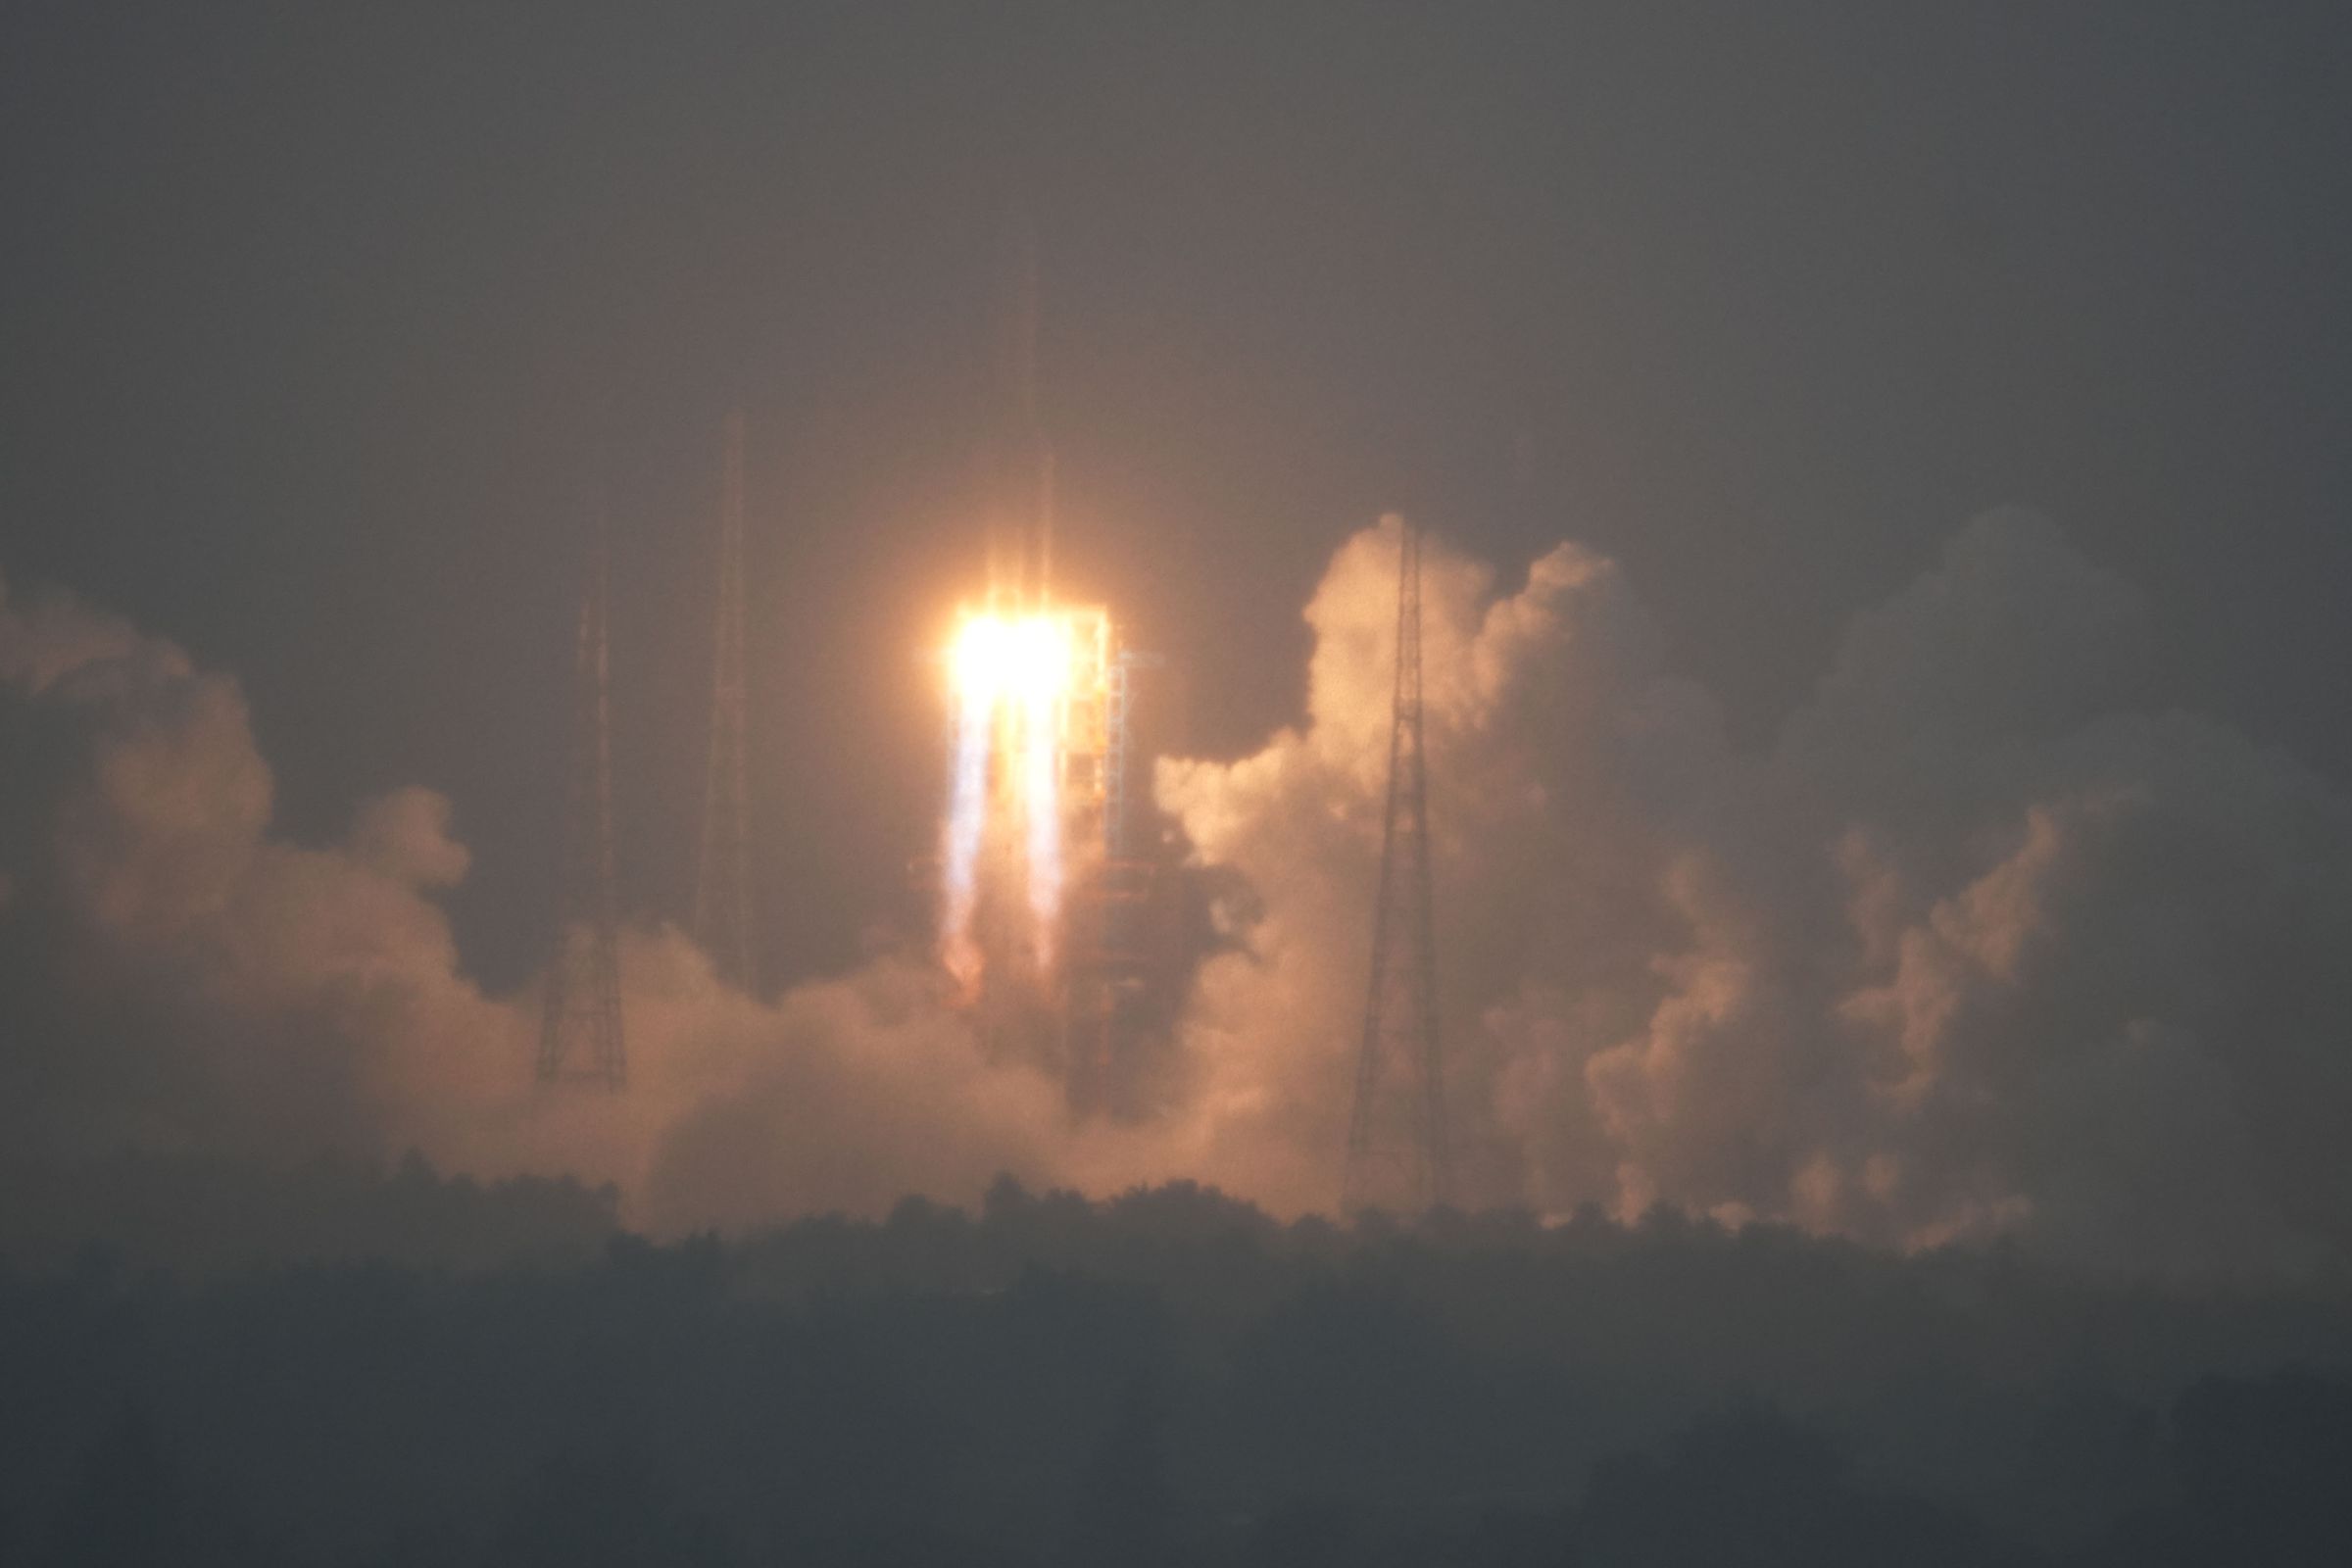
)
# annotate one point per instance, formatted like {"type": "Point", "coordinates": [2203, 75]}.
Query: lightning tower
{"type": "Point", "coordinates": [723, 888]}
{"type": "Point", "coordinates": [1396, 1138]}
{"type": "Point", "coordinates": [579, 1032]}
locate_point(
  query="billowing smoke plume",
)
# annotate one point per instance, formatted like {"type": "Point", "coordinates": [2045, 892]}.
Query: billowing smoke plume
{"type": "Point", "coordinates": [1972, 948]}
{"type": "Point", "coordinates": [176, 978]}
{"type": "Point", "coordinates": [1968, 951]}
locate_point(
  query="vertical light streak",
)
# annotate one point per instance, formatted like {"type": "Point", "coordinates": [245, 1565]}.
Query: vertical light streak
{"type": "Point", "coordinates": [1042, 799]}
{"type": "Point", "coordinates": [1010, 679]}
{"type": "Point", "coordinates": [967, 818]}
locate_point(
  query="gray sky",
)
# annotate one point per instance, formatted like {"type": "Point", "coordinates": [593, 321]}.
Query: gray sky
{"type": "Point", "coordinates": [316, 320]}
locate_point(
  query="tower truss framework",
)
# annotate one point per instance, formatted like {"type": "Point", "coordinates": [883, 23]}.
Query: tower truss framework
{"type": "Point", "coordinates": [581, 1025]}
{"type": "Point", "coordinates": [1396, 1138]}
{"type": "Point", "coordinates": [722, 886]}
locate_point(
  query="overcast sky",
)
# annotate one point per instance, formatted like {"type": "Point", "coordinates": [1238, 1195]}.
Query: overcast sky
{"type": "Point", "coordinates": [315, 327]}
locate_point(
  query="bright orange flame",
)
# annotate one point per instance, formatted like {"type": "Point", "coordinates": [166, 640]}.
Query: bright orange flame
{"type": "Point", "coordinates": [1013, 676]}
{"type": "Point", "coordinates": [1024, 659]}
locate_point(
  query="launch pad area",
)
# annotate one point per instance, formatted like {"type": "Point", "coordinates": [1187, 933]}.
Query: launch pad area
{"type": "Point", "coordinates": [1059, 920]}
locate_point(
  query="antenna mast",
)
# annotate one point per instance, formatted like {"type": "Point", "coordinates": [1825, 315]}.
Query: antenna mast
{"type": "Point", "coordinates": [723, 888]}
{"type": "Point", "coordinates": [579, 1031]}
{"type": "Point", "coordinates": [1397, 1141]}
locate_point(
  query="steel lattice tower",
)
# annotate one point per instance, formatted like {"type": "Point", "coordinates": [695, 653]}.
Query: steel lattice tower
{"type": "Point", "coordinates": [579, 1032]}
{"type": "Point", "coordinates": [722, 888]}
{"type": "Point", "coordinates": [1396, 1138]}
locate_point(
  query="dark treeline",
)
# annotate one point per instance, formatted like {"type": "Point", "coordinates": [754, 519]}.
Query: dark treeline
{"type": "Point", "coordinates": [197, 1215]}
{"type": "Point", "coordinates": [396, 1368]}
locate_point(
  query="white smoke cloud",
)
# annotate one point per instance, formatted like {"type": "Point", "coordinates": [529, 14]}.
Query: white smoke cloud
{"type": "Point", "coordinates": [1968, 951]}
{"type": "Point", "coordinates": [1974, 947]}
{"type": "Point", "coordinates": [178, 978]}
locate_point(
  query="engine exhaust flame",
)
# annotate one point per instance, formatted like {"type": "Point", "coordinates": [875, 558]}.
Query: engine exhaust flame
{"type": "Point", "coordinates": [1009, 676]}
{"type": "Point", "coordinates": [967, 817]}
{"type": "Point", "coordinates": [1042, 804]}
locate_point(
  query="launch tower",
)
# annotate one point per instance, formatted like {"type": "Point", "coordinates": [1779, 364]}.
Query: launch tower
{"type": "Point", "coordinates": [1397, 1136]}
{"type": "Point", "coordinates": [579, 1027]}
{"type": "Point", "coordinates": [722, 887]}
